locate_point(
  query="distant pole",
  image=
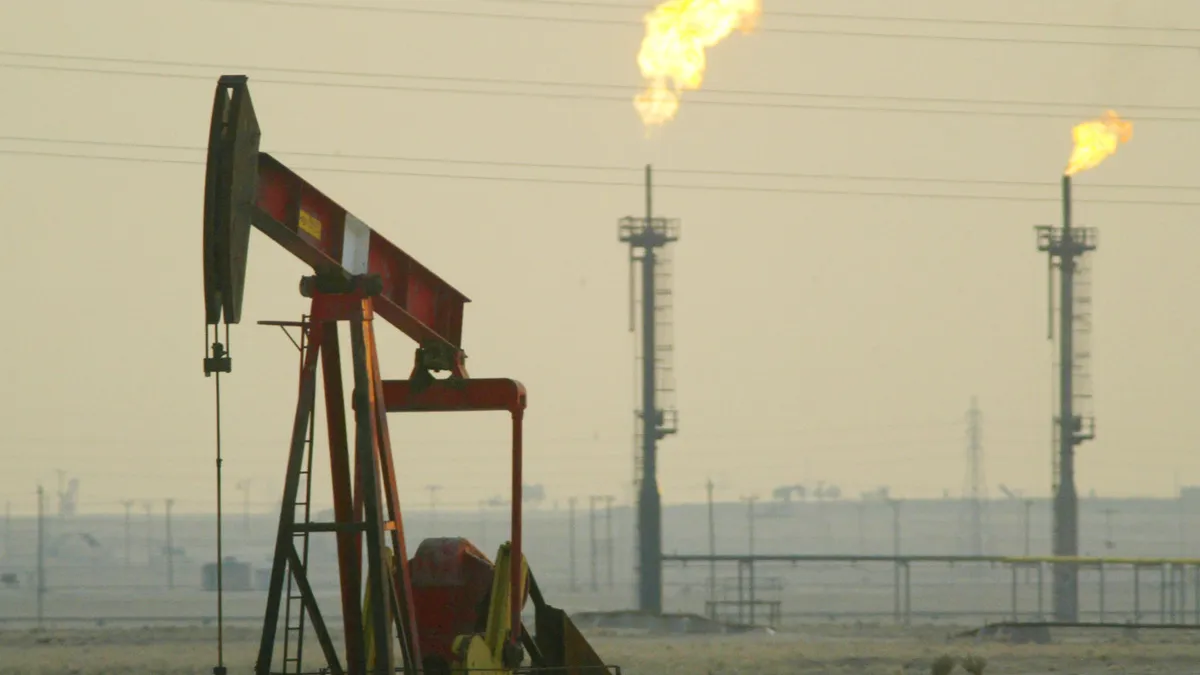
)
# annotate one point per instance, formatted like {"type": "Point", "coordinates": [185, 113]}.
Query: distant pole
{"type": "Point", "coordinates": [571, 537]}
{"type": "Point", "coordinates": [482, 523]}
{"type": "Point", "coordinates": [750, 563]}
{"type": "Point", "coordinates": [1182, 527]}
{"type": "Point", "coordinates": [62, 492]}
{"type": "Point", "coordinates": [149, 531]}
{"type": "Point", "coordinates": [1179, 503]}
{"type": "Point", "coordinates": [862, 530]}
{"type": "Point", "coordinates": [433, 490]}
{"type": "Point", "coordinates": [895, 503]}
{"type": "Point", "coordinates": [244, 486]}
{"type": "Point", "coordinates": [41, 554]}
{"type": "Point", "coordinates": [128, 504]}
{"type": "Point", "coordinates": [1028, 503]}
{"type": "Point", "coordinates": [750, 519]}
{"type": "Point", "coordinates": [170, 548]}
{"type": "Point", "coordinates": [1108, 533]}
{"type": "Point", "coordinates": [712, 549]}
{"type": "Point", "coordinates": [608, 538]}
{"type": "Point", "coordinates": [592, 535]}
{"type": "Point", "coordinates": [976, 489]}
{"type": "Point", "coordinates": [1028, 506]}
{"type": "Point", "coordinates": [8, 529]}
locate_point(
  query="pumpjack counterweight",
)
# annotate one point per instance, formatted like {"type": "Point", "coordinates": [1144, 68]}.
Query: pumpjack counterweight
{"type": "Point", "coordinates": [422, 613]}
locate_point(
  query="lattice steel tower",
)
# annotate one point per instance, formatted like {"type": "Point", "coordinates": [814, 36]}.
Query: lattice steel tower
{"type": "Point", "coordinates": [648, 238]}
{"type": "Point", "coordinates": [1067, 248]}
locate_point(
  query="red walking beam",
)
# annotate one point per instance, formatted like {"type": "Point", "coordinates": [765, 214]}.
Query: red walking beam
{"type": "Point", "coordinates": [247, 188]}
{"type": "Point", "coordinates": [336, 244]}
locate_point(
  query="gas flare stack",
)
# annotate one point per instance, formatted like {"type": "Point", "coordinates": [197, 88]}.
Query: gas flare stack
{"type": "Point", "coordinates": [1068, 249]}
{"type": "Point", "coordinates": [649, 240]}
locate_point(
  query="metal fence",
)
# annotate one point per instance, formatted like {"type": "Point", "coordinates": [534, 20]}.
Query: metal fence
{"type": "Point", "coordinates": [932, 588]}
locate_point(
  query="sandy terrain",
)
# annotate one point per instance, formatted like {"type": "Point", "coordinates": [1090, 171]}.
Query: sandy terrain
{"type": "Point", "coordinates": [828, 650]}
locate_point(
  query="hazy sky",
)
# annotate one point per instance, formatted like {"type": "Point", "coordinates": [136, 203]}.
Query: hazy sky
{"type": "Point", "coordinates": [821, 335]}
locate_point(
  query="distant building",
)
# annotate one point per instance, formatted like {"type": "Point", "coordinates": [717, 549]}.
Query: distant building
{"type": "Point", "coordinates": [235, 576]}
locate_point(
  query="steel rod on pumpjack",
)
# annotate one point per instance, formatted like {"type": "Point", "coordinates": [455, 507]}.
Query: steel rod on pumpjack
{"type": "Point", "coordinates": [516, 592]}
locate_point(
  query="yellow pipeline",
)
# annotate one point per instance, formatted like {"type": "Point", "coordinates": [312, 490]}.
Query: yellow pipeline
{"type": "Point", "coordinates": [1085, 560]}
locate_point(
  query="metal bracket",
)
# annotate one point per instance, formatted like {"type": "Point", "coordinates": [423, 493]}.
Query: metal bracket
{"type": "Point", "coordinates": [369, 285]}
{"type": "Point", "coordinates": [432, 357]}
{"type": "Point", "coordinates": [219, 362]}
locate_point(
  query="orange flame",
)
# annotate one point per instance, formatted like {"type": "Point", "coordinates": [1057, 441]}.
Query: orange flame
{"type": "Point", "coordinates": [1096, 140]}
{"type": "Point", "coordinates": [672, 54]}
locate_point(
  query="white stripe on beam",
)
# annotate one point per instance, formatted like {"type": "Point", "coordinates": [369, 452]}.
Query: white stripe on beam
{"type": "Point", "coordinates": [356, 244]}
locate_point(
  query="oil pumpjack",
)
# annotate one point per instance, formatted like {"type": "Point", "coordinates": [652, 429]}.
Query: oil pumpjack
{"type": "Point", "coordinates": [448, 608]}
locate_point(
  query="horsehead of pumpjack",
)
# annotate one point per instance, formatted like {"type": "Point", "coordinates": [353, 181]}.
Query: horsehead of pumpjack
{"type": "Point", "coordinates": [246, 188]}
{"type": "Point", "coordinates": [230, 184]}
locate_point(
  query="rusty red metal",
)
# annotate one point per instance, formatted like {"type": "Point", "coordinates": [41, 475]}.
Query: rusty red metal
{"type": "Point", "coordinates": [441, 611]}
{"type": "Point", "coordinates": [410, 630]}
{"type": "Point", "coordinates": [345, 507]}
{"type": "Point", "coordinates": [482, 394]}
{"type": "Point", "coordinates": [490, 394]}
{"type": "Point", "coordinates": [349, 505]}
{"type": "Point", "coordinates": [451, 581]}
{"type": "Point", "coordinates": [359, 273]}
{"type": "Point", "coordinates": [318, 231]}
{"type": "Point", "coordinates": [518, 417]}
{"type": "Point", "coordinates": [333, 308]}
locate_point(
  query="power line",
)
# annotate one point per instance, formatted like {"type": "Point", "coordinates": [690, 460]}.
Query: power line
{"type": "Point", "coordinates": [1011, 23]}
{"type": "Point", "coordinates": [629, 89]}
{"type": "Point", "coordinates": [598, 183]}
{"type": "Point", "coordinates": [622, 100]}
{"type": "Point", "coordinates": [597, 167]}
{"type": "Point", "coordinates": [822, 32]}
{"type": "Point", "coordinates": [1007, 23]}
{"type": "Point", "coordinates": [107, 158]}
{"type": "Point", "coordinates": [945, 447]}
{"type": "Point", "coordinates": [947, 424]}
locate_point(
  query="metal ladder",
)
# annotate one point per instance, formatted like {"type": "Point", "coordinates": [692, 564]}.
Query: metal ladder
{"type": "Point", "coordinates": [293, 633]}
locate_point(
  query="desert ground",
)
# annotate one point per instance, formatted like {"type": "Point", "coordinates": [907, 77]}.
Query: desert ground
{"type": "Point", "coordinates": [862, 650]}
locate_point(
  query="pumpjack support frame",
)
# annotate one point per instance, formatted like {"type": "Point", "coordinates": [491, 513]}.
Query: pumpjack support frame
{"type": "Point", "coordinates": [359, 275]}
{"type": "Point", "coordinates": [370, 509]}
